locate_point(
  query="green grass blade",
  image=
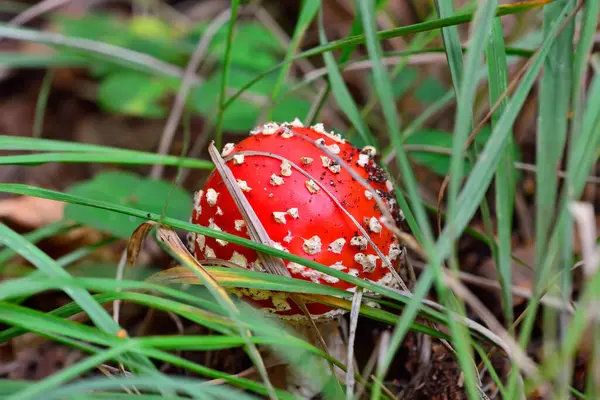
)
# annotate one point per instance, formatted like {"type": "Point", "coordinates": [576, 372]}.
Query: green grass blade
{"type": "Point", "coordinates": [465, 93]}
{"type": "Point", "coordinates": [383, 89]}
{"type": "Point", "coordinates": [79, 150]}
{"type": "Point", "coordinates": [54, 228]}
{"type": "Point", "coordinates": [307, 14]}
{"type": "Point", "coordinates": [583, 154]}
{"type": "Point", "coordinates": [483, 171]}
{"type": "Point", "coordinates": [20, 60]}
{"type": "Point", "coordinates": [47, 265]}
{"type": "Point", "coordinates": [341, 93]}
{"type": "Point", "coordinates": [225, 75]}
{"type": "Point", "coordinates": [505, 173]}
{"type": "Point", "coordinates": [580, 61]}
{"type": "Point", "coordinates": [110, 158]}
{"type": "Point", "coordinates": [115, 54]}
{"type": "Point", "coordinates": [388, 34]}
{"type": "Point", "coordinates": [41, 103]}
{"type": "Point", "coordinates": [555, 90]}
{"type": "Point", "coordinates": [452, 44]}
{"type": "Point", "coordinates": [46, 385]}
{"type": "Point", "coordinates": [551, 135]}
{"type": "Point", "coordinates": [189, 386]}
{"type": "Point", "coordinates": [172, 359]}
{"type": "Point", "coordinates": [44, 193]}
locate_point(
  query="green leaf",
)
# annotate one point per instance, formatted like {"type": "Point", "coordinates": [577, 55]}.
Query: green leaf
{"type": "Point", "coordinates": [254, 46]}
{"type": "Point", "coordinates": [404, 81]}
{"type": "Point", "coordinates": [149, 27]}
{"type": "Point", "coordinates": [289, 108]}
{"type": "Point", "coordinates": [226, 61]}
{"type": "Point", "coordinates": [126, 188]}
{"type": "Point", "coordinates": [430, 140]}
{"type": "Point", "coordinates": [240, 116]}
{"type": "Point", "coordinates": [140, 35]}
{"type": "Point", "coordinates": [430, 90]}
{"type": "Point", "coordinates": [341, 92]}
{"type": "Point", "coordinates": [134, 94]}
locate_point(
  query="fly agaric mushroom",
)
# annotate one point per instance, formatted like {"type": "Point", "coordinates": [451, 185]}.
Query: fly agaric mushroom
{"type": "Point", "coordinates": [308, 204]}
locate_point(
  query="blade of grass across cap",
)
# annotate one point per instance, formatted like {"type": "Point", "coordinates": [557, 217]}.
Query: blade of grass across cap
{"type": "Point", "coordinates": [225, 68]}
{"type": "Point", "coordinates": [228, 277]}
{"type": "Point", "coordinates": [340, 91]}
{"type": "Point", "coordinates": [506, 9]}
{"type": "Point", "coordinates": [258, 233]}
{"type": "Point", "coordinates": [175, 223]}
{"type": "Point", "coordinates": [182, 254]}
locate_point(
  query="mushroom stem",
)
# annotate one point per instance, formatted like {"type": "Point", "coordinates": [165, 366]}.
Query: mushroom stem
{"type": "Point", "coordinates": [305, 386]}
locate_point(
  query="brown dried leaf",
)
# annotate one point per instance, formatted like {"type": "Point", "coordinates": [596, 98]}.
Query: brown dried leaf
{"type": "Point", "coordinates": [31, 212]}
{"type": "Point", "coordinates": [137, 240]}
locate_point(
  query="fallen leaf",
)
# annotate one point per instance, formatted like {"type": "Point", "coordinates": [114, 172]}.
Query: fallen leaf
{"type": "Point", "coordinates": [31, 212]}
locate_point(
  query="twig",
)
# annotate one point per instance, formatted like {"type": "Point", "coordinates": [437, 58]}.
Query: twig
{"type": "Point", "coordinates": [413, 59]}
{"type": "Point", "coordinates": [186, 84]}
{"type": "Point", "coordinates": [114, 52]}
{"type": "Point", "coordinates": [35, 11]}
{"type": "Point", "coordinates": [510, 346]}
{"type": "Point", "coordinates": [119, 277]}
{"type": "Point", "coordinates": [356, 301]}
{"type": "Point", "coordinates": [517, 291]}
{"type": "Point", "coordinates": [517, 164]}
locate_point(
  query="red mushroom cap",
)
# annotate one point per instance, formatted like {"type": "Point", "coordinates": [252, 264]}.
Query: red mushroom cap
{"type": "Point", "coordinates": [297, 212]}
